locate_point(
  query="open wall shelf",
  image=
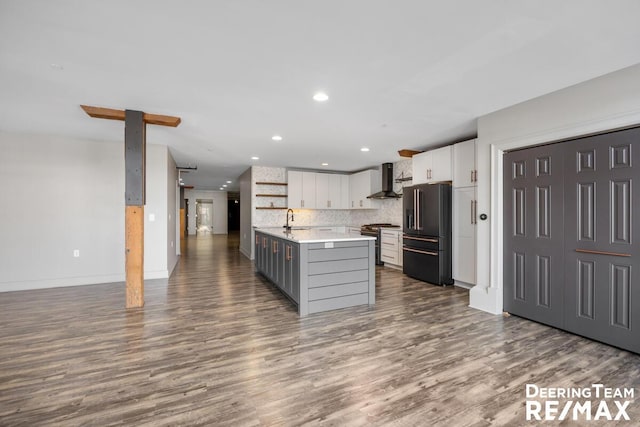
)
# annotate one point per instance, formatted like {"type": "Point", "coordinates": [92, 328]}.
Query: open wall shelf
{"type": "Point", "coordinates": [276, 196]}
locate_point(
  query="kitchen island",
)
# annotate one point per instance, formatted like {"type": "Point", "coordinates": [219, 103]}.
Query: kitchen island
{"type": "Point", "coordinates": [318, 270]}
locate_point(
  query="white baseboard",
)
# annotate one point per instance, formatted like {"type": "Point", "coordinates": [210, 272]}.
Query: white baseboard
{"type": "Point", "coordinates": [27, 285]}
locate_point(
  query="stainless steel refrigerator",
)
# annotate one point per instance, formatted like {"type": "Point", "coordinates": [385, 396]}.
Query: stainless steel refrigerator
{"type": "Point", "coordinates": [427, 233]}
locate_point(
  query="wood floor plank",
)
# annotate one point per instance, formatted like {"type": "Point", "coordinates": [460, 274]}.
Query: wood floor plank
{"type": "Point", "coordinates": [216, 344]}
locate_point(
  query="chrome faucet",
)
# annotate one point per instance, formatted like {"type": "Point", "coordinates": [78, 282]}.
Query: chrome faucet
{"type": "Point", "coordinates": [288, 227]}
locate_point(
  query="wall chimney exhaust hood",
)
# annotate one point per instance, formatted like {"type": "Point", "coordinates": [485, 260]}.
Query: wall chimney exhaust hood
{"type": "Point", "coordinates": [387, 184]}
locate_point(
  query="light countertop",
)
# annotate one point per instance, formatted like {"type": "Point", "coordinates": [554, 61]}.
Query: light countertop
{"type": "Point", "coordinates": [312, 235]}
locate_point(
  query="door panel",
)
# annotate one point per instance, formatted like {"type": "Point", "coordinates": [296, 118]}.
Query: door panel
{"type": "Point", "coordinates": [533, 230]}
{"type": "Point", "coordinates": [603, 296]}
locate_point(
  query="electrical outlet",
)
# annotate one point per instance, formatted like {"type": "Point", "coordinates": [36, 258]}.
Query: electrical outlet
{"type": "Point", "coordinates": [76, 253]}
{"type": "Point", "coordinates": [152, 217]}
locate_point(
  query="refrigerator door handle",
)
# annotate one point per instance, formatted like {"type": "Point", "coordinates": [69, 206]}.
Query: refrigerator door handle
{"type": "Point", "coordinates": [420, 252]}
{"type": "Point", "coordinates": [418, 209]}
{"type": "Point", "coordinates": [422, 239]}
{"type": "Point", "coordinates": [415, 208]}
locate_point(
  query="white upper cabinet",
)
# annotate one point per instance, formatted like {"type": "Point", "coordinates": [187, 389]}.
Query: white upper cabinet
{"type": "Point", "coordinates": [344, 192]}
{"type": "Point", "coordinates": [432, 166]}
{"type": "Point", "coordinates": [361, 185]}
{"type": "Point", "coordinates": [465, 173]}
{"type": "Point", "coordinates": [329, 191]}
{"type": "Point", "coordinates": [322, 191]}
{"type": "Point", "coordinates": [302, 190]}
{"type": "Point", "coordinates": [441, 168]}
{"type": "Point", "coordinates": [421, 164]}
{"type": "Point", "coordinates": [311, 190]}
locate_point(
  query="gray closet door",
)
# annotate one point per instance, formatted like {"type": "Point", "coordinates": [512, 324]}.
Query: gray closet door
{"type": "Point", "coordinates": [601, 238]}
{"type": "Point", "coordinates": [533, 234]}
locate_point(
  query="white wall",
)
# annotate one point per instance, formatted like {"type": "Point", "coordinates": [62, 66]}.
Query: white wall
{"type": "Point", "coordinates": [220, 209]}
{"type": "Point", "coordinates": [173, 214]}
{"type": "Point", "coordinates": [601, 104]}
{"type": "Point", "coordinates": [60, 194]}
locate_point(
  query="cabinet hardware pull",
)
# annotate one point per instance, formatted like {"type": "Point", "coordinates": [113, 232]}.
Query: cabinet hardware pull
{"type": "Point", "coordinates": [264, 242]}
{"type": "Point", "coordinates": [302, 203]}
{"type": "Point", "coordinates": [288, 253]}
{"type": "Point", "coordinates": [474, 212]}
{"type": "Point", "coordinates": [584, 251]}
{"type": "Point", "coordinates": [420, 252]}
{"type": "Point", "coordinates": [257, 240]}
{"type": "Point", "coordinates": [471, 211]}
{"type": "Point", "coordinates": [475, 175]}
{"type": "Point", "coordinates": [275, 247]}
{"type": "Point", "coordinates": [471, 176]}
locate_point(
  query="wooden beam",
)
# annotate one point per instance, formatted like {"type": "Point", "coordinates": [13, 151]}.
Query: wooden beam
{"type": "Point", "coordinates": [408, 153]}
{"type": "Point", "coordinates": [135, 158]}
{"type": "Point", "coordinates": [134, 255]}
{"type": "Point", "coordinates": [112, 114]}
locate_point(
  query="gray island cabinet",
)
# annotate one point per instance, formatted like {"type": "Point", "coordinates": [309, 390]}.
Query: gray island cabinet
{"type": "Point", "coordinates": [318, 270]}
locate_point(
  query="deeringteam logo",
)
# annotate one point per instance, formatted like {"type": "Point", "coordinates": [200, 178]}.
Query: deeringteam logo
{"type": "Point", "coordinates": [594, 403]}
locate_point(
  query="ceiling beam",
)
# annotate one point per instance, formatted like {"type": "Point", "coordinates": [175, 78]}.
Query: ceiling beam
{"type": "Point", "coordinates": [112, 114]}
{"type": "Point", "coordinates": [408, 153]}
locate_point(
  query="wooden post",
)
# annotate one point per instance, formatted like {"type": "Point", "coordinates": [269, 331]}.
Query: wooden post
{"type": "Point", "coordinates": [135, 180]}
{"type": "Point", "coordinates": [135, 160]}
{"type": "Point", "coordinates": [134, 258]}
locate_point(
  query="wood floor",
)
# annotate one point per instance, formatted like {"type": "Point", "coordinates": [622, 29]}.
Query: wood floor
{"type": "Point", "coordinates": [217, 345]}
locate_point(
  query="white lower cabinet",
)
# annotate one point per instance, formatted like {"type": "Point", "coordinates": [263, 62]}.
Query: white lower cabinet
{"type": "Point", "coordinates": [464, 235]}
{"type": "Point", "coordinates": [391, 246]}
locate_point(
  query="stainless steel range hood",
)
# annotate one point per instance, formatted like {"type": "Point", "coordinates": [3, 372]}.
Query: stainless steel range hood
{"type": "Point", "coordinates": [387, 184]}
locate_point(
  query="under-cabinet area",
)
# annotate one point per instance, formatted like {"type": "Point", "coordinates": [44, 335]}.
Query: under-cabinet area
{"type": "Point", "coordinates": [318, 270]}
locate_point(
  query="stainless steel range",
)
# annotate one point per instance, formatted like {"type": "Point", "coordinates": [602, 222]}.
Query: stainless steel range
{"type": "Point", "coordinates": [373, 230]}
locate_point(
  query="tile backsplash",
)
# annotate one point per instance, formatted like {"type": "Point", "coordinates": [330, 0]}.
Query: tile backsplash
{"type": "Point", "coordinates": [390, 210]}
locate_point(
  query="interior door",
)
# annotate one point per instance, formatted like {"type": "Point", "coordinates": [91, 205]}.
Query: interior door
{"type": "Point", "coordinates": [602, 264]}
{"type": "Point", "coordinates": [533, 234]}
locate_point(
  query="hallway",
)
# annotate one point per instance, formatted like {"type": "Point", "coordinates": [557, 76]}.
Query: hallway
{"type": "Point", "coordinates": [217, 345]}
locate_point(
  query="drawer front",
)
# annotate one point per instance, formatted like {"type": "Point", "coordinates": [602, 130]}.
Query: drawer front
{"type": "Point", "coordinates": [389, 234]}
{"type": "Point", "coordinates": [389, 256]}
{"type": "Point", "coordinates": [390, 245]}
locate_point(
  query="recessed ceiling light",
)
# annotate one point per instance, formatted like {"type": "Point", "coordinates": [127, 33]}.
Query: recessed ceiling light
{"type": "Point", "coordinates": [325, 164]}
{"type": "Point", "coordinates": [228, 182]}
{"type": "Point", "coordinates": [224, 185]}
{"type": "Point", "coordinates": [221, 188]}
{"type": "Point", "coordinates": [364, 149]}
{"type": "Point", "coordinates": [320, 97]}
{"type": "Point", "coordinates": [255, 158]}
{"type": "Point", "coordinates": [276, 138]}
{"type": "Point", "coordinates": [57, 67]}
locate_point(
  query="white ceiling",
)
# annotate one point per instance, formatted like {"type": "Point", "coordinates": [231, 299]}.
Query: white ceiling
{"type": "Point", "coordinates": [400, 74]}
